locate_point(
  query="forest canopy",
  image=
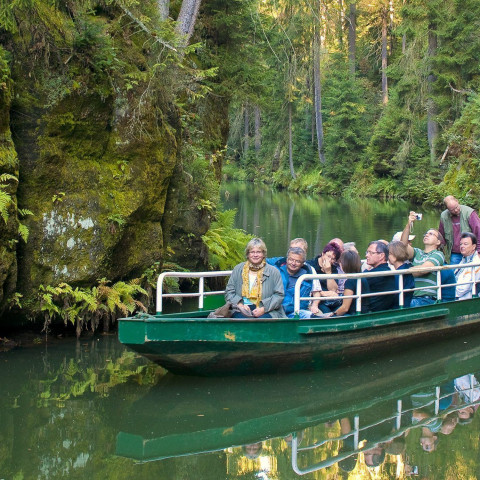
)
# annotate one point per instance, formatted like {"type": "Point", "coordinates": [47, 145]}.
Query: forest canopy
{"type": "Point", "coordinates": [360, 98]}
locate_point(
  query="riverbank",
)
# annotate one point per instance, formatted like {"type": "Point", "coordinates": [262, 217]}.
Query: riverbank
{"type": "Point", "coordinates": [364, 183]}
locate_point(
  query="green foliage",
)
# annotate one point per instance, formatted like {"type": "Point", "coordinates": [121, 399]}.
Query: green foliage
{"type": "Point", "coordinates": [348, 119]}
{"type": "Point", "coordinates": [5, 197]}
{"type": "Point", "coordinates": [80, 306]}
{"type": "Point", "coordinates": [462, 155]}
{"type": "Point", "coordinates": [116, 221]}
{"type": "Point", "coordinates": [226, 244]}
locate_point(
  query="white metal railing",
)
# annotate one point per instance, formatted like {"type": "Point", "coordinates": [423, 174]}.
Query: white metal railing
{"type": "Point", "coordinates": [201, 286]}
{"type": "Point", "coordinates": [201, 293]}
{"type": "Point", "coordinates": [401, 290]}
{"type": "Point", "coordinates": [399, 429]}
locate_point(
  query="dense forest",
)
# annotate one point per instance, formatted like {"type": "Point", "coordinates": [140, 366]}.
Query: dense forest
{"type": "Point", "coordinates": [119, 118]}
{"type": "Point", "coordinates": [360, 98]}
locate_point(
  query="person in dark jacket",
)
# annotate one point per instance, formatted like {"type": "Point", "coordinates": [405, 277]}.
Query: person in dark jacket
{"type": "Point", "coordinates": [377, 256]}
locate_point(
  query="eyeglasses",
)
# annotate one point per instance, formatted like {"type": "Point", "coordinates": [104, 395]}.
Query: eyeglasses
{"type": "Point", "coordinates": [369, 252]}
{"type": "Point", "coordinates": [431, 233]}
{"type": "Point", "coordinates": [295, 262]}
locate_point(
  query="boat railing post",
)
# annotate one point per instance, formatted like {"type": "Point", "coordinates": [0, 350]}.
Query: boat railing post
{"type": "Point", "coordinates": [474, 282]}
{"type": "Point", "coordinates": [295, 455]}
{"type": "Point", "coordinates": [160, 291]}
{"type": "Point", "coordinates": [358, 300]}
{"type": "Point", "coordinates": [201, 289]}
{"type": "Point", "coordinates": [356, 431]}
{"type": "Point", "coordinates": [437, 400]}
{"type": "Point", "coordinates": [401, 301]}
{"type": "Point", "coordinates": [398, 419]}
{"type": "Point", "coordinates": [439, 285]}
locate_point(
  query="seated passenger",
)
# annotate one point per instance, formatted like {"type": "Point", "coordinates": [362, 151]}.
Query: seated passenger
{"type": "Point", "coordinates": [340, 281]}
{"type": "Point", "coordinates": [431, 256]}
{"type": "Point", "coordinates": [326, 264]}
{"type": "Point", "coordinates": [398, 256]}
{"type": "Point", "coordinates": [290, 272]}
{"type": "Point", "coordinates": [350, 246]}
{"type": "Point", "coordinates": [254, 286]}
{"type": "Point", "coordinates": [377, 255]}
{"type": "Point", "coordinates": [468, 249]}
{"type": "Point", "coordinates": [448, 292]}
{"type": "Point", "coordinates": [351, 263]}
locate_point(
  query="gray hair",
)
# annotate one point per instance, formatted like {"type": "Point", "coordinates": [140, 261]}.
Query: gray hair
{"type": "Point", "coordinates": [297, 251]}
{"type": "Point", "coordinates": [256, 243]}
{"type": "Point", "coordinates": [302, 241]}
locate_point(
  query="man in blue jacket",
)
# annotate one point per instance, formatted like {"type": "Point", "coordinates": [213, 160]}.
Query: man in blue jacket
{"type": "Point", "coordinates": [290, 272]}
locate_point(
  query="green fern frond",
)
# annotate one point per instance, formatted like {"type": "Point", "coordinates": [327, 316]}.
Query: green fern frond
{"type": "Point", "coordinates": [5, 202]}
{"type": "Point", "coordinates": [24, 212]}
{"type": "Point", "coordinates": [23, 231]}
{"type": "Point", "coordinates": [5, 177]}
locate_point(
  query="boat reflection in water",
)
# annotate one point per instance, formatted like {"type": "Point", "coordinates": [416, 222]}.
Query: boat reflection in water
{"type": "Point", "coordinates": [351, 419]}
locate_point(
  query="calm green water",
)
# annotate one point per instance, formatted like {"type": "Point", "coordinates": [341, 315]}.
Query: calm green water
{"type": "Point", "coordinates": [279, 216]}
{"type": "Point", "coordinates": [90, 409]}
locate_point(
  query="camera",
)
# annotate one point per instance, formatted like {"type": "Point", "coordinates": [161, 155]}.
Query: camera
{"type": "Point", "coordinates": [418, 216]}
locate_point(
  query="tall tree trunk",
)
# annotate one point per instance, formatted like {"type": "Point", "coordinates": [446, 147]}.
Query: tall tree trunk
{"type": "Point", "coordinates": [258, 133]}
{"type": "Point", "coordinates": [291, 211]}
{"type": "Point", "coordinates": [290, 141]}
{"type": "Point", "coordinates": [186, 20]}
{"type": "Point", "coordinates": [276, 157]}
{"type": "Point", "coordinates": [352, 36]}
{"type": "Point", "coordinates": [432, 126]}
{"type": "Point", "coordinates": [163, 8]}
{"type": "Point", "coordinates": [246, 130]}
{"type": "Point", "coordinates": [384, 56]}
{"type": "Point", "coordinates": [341, 22]}
{"type": "Point", "coordinates": [318, 93]}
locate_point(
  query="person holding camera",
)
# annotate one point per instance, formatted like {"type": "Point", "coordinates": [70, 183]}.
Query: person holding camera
{"type": "Point", "coordinates": [430, 256]}
{"type": "Point", "coordinates": [455, 220]}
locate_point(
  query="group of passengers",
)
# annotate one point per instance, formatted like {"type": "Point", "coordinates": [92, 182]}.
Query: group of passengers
{"type": "Point", "coordinates": [264, 287]}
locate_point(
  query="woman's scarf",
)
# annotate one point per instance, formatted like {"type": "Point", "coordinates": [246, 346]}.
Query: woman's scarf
{"type": "Point", "coordinates": [255, 294]}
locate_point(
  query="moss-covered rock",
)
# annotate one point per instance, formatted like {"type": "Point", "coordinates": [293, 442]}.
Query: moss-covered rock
{"type": "Point", "coordinates": [102, 150]}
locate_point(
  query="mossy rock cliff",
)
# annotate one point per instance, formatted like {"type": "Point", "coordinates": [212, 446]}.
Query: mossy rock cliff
{"type": "Point", "coordinates": [100, 141]}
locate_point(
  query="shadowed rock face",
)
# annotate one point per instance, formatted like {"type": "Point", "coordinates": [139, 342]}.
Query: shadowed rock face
{"type": "Point", "coordinates": [101, 170]}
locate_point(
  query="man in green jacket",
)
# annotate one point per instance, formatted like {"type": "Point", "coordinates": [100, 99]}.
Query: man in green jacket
{"type": "Point", "coordinates": [454, 221]}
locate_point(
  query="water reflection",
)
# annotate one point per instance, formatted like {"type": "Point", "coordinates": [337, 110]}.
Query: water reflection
{"type": "Point", "coordinates": [387, 417]}
{"type": "Point", "coordinates": [91, 409]}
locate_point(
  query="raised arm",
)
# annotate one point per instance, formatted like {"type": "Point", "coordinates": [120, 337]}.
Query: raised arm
{"type": "Point", "coordinates": [412, 217]}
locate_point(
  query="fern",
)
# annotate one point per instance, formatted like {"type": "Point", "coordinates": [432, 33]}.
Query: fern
{"type": "Point", "coordinates": [82, 305]}
{"type": "Point", "coordinates": [23, 231]}
{"type": "Point", "coordinates": [225, 243]}
{"type": "Point", "coordinates": [5, 202]}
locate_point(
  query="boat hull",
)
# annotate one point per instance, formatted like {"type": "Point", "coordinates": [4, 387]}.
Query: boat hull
{"type": "Point", "coordinates": [192, 345]}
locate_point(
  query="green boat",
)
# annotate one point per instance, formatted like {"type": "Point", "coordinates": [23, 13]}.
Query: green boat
{"type": "Point", "coordinates": [191, 343]}
{"type": "Point", "coordinates": [188, 416]}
